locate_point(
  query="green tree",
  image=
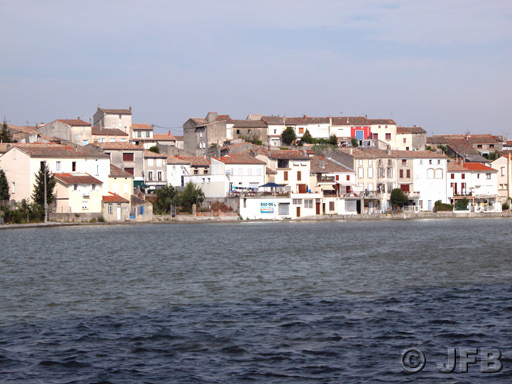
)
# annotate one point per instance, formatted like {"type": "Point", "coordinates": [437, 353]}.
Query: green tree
{"type": "Point", "coordinates": [354, 142]}
{"type": "Point", "coordinates": [5, 135]}
{"type": "Point", "coordinates": [166, 197]}
{"type": "Point", "coordinates": [307, 138]}
{"type": "Point", "coordinates": [493, 155]}
{"type": "Point", "coordinates": [333, 140]}
{"type": "Point", "coordinates": [461, 204]}
{"type": "Point", "coordinates": [398, 198]}
{"type": "Point", "coordinates": [4, 186]}
{"type": "Point", "coordinates": [191, 195]}
{"type": "Point", "coordinates": [38, 194]}
{"type": "Point", "coordinates": [288, 135]}
{"type": "Point", "coordinates": [154, 148]}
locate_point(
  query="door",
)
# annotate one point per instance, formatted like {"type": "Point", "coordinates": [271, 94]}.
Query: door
{"type": "Point", "coordinates": [298, 211]}
{"type": "Point", "coordinates": [118, 212]}
{"type": "Point", "coordinates": [317, 208]}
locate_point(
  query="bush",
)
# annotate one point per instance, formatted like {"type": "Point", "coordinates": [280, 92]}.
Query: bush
{"type": "Point", "coordinates": [101, 219]}
{"type": "Point", "coordinates": [462, 204]}
{"type": "Point", "coordinates": [440, 207]}
{"type": "Point", "coordinates": [154, 149]}
{"type": "Point", "coordinates": [505, 206]}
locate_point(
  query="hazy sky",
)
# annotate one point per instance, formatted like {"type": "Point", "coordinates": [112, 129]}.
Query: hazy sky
{"type": "Point", "coordinates": [443, 65]}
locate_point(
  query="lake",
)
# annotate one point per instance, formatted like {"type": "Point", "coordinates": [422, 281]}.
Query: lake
{"type": "Point", "coordinates": [280, 302]}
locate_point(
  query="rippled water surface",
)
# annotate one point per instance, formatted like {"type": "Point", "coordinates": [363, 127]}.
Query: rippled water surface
{"type": "Point", "coordinates": [253, 302]}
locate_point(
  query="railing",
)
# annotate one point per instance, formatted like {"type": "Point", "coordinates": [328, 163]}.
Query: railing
{"type": "Point", "coordinates": [326, 179]}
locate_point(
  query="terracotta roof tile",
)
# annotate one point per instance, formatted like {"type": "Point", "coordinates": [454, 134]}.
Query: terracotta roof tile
{"type": "Point", "coordinates": [381, 121]}
{"type": "Point", "coordinates": [76, 178]}
{"type": "Point", "coordinates": [74, 122]}
{"type": "Point", "coordinates": [119, 146]}
{"type": "Point", "coordinates": [287, 154]}
{"type": "Point", "coordinates": [116, 111]}
{"type": "Point", "coordinates": [196, 161]}
{"type": "Point", "coordinates": [240, 158]}
{"type": "Point", "coordinates": [142, 127]}
{"type": "Point", "coordinates": [96, 131]}
{"type": "Point", "coordinates": [405, 130]}
{"type": "Point", "coordinates": [113, 198]}
{"type": "Point", "coordinates": [164, 137]}
{"type": "Point", "coordinates": [118, 172]}
{"type": "Point", "coordinates": [478, 167]}
{"type": "Point", "coordinates": [154, 154]}
{"type": "Point", "coordinates": [418, 154]}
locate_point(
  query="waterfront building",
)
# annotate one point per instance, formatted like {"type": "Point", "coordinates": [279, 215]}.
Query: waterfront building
{"type": "Point", "coordinates": [75, 131]}
{"type": "Point", "coordinates": [504, 177]}
{"type": "Point", "coordinates": [114, 118]}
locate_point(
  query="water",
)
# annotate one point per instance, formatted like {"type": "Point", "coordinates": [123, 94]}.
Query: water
{"type": "Point", "coordinates": [253, 302]}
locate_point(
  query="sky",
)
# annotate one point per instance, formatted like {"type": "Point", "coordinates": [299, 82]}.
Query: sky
{"type": "Point", "coordinates": [444, 65]}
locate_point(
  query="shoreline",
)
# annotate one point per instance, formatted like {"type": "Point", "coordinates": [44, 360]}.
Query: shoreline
{"type": "Point", "coordinates": [236, 219]}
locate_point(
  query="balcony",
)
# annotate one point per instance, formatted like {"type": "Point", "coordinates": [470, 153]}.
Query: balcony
{"type": "Point", "coordinates": [325, 179]}
{"type": "Point", "coordinates": [413, 195]}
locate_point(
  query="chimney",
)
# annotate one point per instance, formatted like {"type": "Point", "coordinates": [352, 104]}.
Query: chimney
{"type": "Point", "coordinates": [169, 134]}
{"type": "Point", "coordinates": [211, 117]}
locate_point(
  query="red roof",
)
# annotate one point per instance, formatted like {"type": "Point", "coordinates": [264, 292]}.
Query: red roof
{"type": "Point", "coordinates": [478, 167]}
{"type": "Point", "coordinates": [240, 158]}
{"type": "Point", "coordinates": [164, 136]}
{"type": "Point", "coordinates": [76, 178]}
{"type": "Point", "coordinates": [142, 127]}
{"type": "Point", "coordinates": [114, 198]}
{"type": "Point", "coordinates": [74, 122]}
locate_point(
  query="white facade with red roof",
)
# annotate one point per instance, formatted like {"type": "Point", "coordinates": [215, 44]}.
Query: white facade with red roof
{"type": "Point", "coordinates": [77, 193]}
{"type": "Point", "coordinates": [75, 131]}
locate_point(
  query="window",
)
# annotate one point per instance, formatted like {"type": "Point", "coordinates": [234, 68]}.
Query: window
{"type": "Point", "coordinates": [452, 176]}
{"type": "Point", "coordinates": [112, 140]}
{"type": "Point", "coordinates": [348, 177]}
{"type": "Point", "coordinates": [159, 175]}
{"type": "Point", "coordinates": [97, 170]}
{"type": "Point", "coordinates": [301, 130]}
{"type": "Point", "coordinates": [285, 176]}
{"type": "Point", "coordinates": [502, 171]}
{"type": "Point", "coordinates": [205, 171]}
{"type": "Point", "coordinates": [73, 166]}
{"type": "Point", "coordinates": [438, 161]}
{"type": "Point", "coordinates": [404, 162]}
{"type": "Point", "coordinates": [85, 142]}
{"type": "Point", "coordinates": [150, 162]}
{"type": "Point", "coordinates": [297, 201]}
{"type": "Point", "coordinates": [439, 173]}
{"type": "Point", "coordinates": [331, 206]}
{"type": "Point", "coordinates": [148, 134]}
{"type": "Point", "coordinates": [75, 187]}
{"type": "Point", "coordinates": [479, 146]}
{"type": "Point", "coordinates": [129, 170]}
{"type": "Point", "coordinates": [299, 175]}
{"type": "Point", "coordinates": [388, 136]}
{"type": "Point", "coordinates": [110, 210]}
{"type": "Point", "coordinates": [401, 173]}
{"type": "Point", "coordinates": [488, 176]}
{"type": "Point", "coordinates": [93, 187]}
{"type": "Point", "coordinates": [57, 166]}
{"type": "Point", "coordinates": [360, 172]}
{"type": "Point", "coordinates": [101, 140]}
{"type": "Point", "coordinates": [14, 185]}
{"type": "Point", "coordinates": [360, 162]}
{"type": "Point", "coordinates": [139, 134]}
{"type": "Point", "coordinates": [158, 162]}
{"type": "Point", "coordinates": [430, 173]}
{"type": "Point", "coordinates": [370, 162]}
{"type": "Point", "coordinates": [405, 140]}
{"type": "Point", "coordinates": [370, 173]}
{"type": "Point", "coordinates": [408, 173]}
{"type": "Point", "coordinates": [463, 176]}
{"type": "Point", "coordinates": [275, 131]}
{"type": "Point", "coordinates": [390, 172]}
{"type": "Point", "coordinates": [491, 145]}
{"type": "Point", "coordinates": [150, 175]}
{"type": "Point", "coordinates": [127, 156]}
{"type": "Point", "coordinates": [308, 203]}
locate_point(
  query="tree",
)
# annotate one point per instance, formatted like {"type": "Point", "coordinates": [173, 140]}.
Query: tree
{"type": "Point", "coordinates": [5, 135]}
{"type": "Point", "coordinates": [154, 148]}
{"type": "Point", "coordinates": [288, 135]}
{"type": "Point", "coordinates": [191, 195]}
{"type": "Point", "coordinates": [398, 198]}
{"type": "Point", "coordinates": [306, 138]}
{"type": "Point", "coordinates": [38, 194]}
{"type": "Point", "coordinates": [4, 186]}
{"type": "Point", "coordinates": [354, 142]}
{"type": "Point", "coordinates": [166, 197]}
{"type": "Point", "coordinates": [333, 140]}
